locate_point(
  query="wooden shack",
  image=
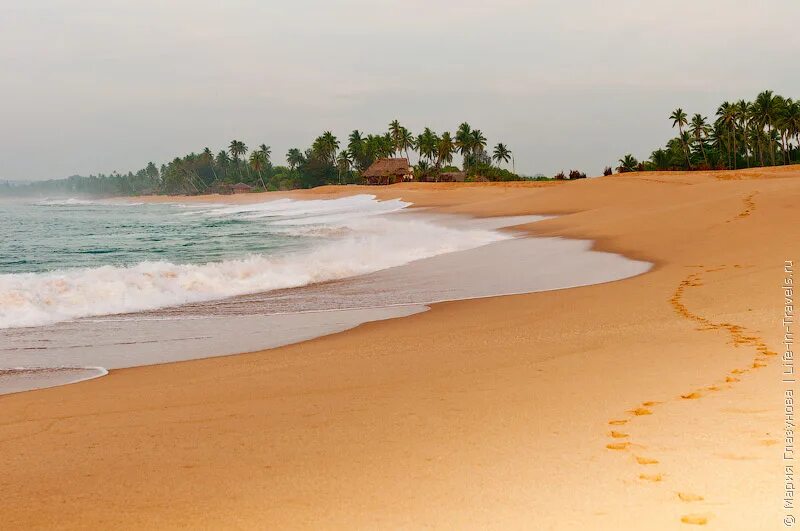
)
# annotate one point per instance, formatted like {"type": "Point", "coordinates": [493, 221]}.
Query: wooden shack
{"type": "Point", "coordinates": [388, 171]}
{"type": "Point", "coordinates": [452, 177]}
{"type": "Point", "coordinates": [241, 188]}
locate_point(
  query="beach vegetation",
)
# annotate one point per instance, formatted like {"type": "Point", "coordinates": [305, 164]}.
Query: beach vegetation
{"type": "Point", "coordinates": [575, 174]}
{"type": "Point", "coordinates": [741, 134]}
{"type": "Point", "coordinates": [628, 163]}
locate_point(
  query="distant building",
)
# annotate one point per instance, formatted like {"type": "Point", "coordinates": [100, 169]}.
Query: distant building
{"type": "Point", "coordinates": [389, 171]}
{"type": "Point", "coordinates": [218, 187]}
{"type": "Point", "coordinates": [241, 188]}
{"type": "Point", "coordinates": [452, 177]}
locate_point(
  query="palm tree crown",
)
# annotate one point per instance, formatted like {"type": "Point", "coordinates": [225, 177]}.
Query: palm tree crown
{"type": "Point", "coordinates": [501, 153]}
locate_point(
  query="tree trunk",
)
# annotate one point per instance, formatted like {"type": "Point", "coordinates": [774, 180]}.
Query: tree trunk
{"type": "Point", "coordinates": [783, 148]}
{"type": "Point", "coordinates": [769, 144]}
{"type": "Point", "coordinates": [685, 147]}
{"type": "Point", "coordinates": [703, 150]}
{"type": "Point", "coordinates": [746, 147]}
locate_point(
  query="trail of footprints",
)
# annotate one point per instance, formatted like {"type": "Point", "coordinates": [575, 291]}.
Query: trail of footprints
{"type": "Point", "coordinates": [620, 440]}
{"type": "Point", "coordinates": [749, 207]}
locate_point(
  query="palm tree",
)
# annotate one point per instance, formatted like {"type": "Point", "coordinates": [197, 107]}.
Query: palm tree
{"type": "Point", "coordinates": [294, 158]}
{"type": "Point", "coordinates": [395, 131]}
{"type": "Point", "coordinates": [375, 147]}
{"type": "Point", "coordinates": [501, 153]}
{"type": "Point", "coordinates": [792, 121]}
{"type": "Point", "coordinates": [267, 151]}
{"type": "Point", "coordinates": [781, 126]}
{"type": "Point", "coordinates": [444, 149]}
{"type": "Point", "coordinates": [330, 144]}
{"type": "Point", "coordinates": [727, 114]}
{"type": "Point", "coordinates": [627, 163]}
{"type": "Point", "coordinates": [343, 163]}
{"type": "Point", "coordinates": [478, 144]}
{"type": "Point", "coordinates": [699, 131]}
{"type": "Point", "coordinates": [680, 119]}
{"type": "Point", "coordinates": [427, 144]}
{"type": "Point", "coordinates": [223, 160]}
{"type": "Point", "coordinates": [743, 114]}
{"type": "Point", "coordinates": [660, 159]}
{"type": "Point", "coordinates": [208, 158]}
{"type": "Point", "coordinates": [258, 161]}
{"type": "Point", "coordinates": [766, 107]}
{"type": "Point", "coordinates": [406, 141]}
{"type": "Point", "coordinates": [478, 141]}
{"type": "Point", "coordinates": [464, 141]}
{"type": "Point", "coordinates": [237, 149]}
{"type": "Point", "coordinates": [355, 145]}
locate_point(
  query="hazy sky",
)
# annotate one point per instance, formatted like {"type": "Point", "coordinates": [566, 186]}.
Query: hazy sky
{"type": "Point", "coordinates": [96, 85]}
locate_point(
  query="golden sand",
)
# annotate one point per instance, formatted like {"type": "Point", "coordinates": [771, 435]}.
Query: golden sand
{"type": "Point", "coordinates": [489, 413]}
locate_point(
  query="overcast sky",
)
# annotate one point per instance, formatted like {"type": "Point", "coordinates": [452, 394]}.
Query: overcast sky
{"type": "Point", "coordinates": [100, 85]}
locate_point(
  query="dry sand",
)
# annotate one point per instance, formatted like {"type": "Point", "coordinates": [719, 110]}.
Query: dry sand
{"type": "Point", "coordinates": [510, 412]}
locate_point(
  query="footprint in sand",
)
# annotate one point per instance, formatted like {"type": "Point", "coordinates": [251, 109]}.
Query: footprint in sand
{"type": "Point", "coordinates": [651, 477]}
{"type": "Point", "coordinates": [695, 519]}
{"type": "Point", "coordinates": [738, 337]}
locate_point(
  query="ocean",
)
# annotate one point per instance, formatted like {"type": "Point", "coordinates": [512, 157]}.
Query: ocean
{"type": "Point", "coordinates": [87, 286]}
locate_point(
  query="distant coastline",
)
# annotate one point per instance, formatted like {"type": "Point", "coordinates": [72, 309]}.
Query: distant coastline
{"type": "Point", "coordinates": [745, 134]}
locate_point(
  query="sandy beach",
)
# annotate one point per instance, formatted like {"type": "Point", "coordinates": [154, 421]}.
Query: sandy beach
{"type": "Point", "coordinates": [654, 402]}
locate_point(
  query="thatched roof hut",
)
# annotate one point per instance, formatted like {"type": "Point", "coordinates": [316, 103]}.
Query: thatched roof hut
{"type": "Point", "coordinates": [388, 171]}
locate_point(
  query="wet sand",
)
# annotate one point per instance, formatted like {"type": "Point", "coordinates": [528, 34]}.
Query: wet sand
{"type": "Point", "coordinates": [654, 402]}
{"type": "Point", "coordinates": [259, 321]}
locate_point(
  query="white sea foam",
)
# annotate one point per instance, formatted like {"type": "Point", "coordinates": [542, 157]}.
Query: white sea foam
{"type": "Point", "coordinates": [64, 202]}
{"type": "Point", "coordinates": [361, 240]}
{"type": "Point", "coordinates": [73, 201]}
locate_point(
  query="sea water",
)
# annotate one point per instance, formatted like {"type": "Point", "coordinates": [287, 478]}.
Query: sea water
{"type": "Point", "coordinates": [66, 259]}
{"type": "Point", "coordinates": [87, 286]}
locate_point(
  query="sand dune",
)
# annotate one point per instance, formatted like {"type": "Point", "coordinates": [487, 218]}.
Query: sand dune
{"type": "Point", "coordinates": [654, 402]}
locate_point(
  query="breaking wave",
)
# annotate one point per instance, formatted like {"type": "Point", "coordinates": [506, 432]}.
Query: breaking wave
{"type": "Point", "coordinates": [353, 235]}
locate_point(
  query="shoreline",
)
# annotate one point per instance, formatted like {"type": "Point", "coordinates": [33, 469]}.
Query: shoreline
{"type": "Point", "coordinates": [271, 319]}
{"type": "Point", "coordinates": [495, 412]}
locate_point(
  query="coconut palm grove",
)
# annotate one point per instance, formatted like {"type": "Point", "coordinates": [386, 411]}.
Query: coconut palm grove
{"type": "Point", "coordinates": [329, 160]}
{"type": "Point", "coordinates": [742, 134]}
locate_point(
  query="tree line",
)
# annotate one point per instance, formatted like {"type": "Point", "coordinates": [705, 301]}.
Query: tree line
{"type": "Point", "coordinates": [328, 160]}
{"type": "Point", "coordinates": [743, 134]}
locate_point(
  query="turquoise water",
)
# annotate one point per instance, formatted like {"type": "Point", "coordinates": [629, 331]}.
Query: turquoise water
{"type": "Point", "coordinates": [90, 286]}
{"type": "Point", "coordinates": [57, 235]}
{"type": "Point", "coordinates": [62, 260]}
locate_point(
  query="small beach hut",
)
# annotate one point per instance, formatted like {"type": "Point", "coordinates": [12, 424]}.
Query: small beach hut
{"type": "Point", "coordinates": [241, 188]}
{"type": "Point", "coordinates": [388, 171]}
{"type": "Point", "coordinates": [452, 177]}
